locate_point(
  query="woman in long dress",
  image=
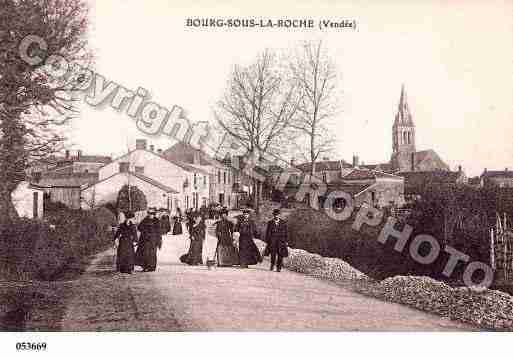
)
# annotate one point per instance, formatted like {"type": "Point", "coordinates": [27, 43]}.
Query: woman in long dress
{"type": "Point", "coordinates": [248, 251]}
{"type": "Point", "coordinates": [177, 225]}
{"type": "Point", "coordinates": [227, 254]}
{"type": "Point", "coordinates": [197, 236]}
{"type": "Point", "coordinates": [149, 240]}
{"type": "Point", "coordinates": [126, 235]}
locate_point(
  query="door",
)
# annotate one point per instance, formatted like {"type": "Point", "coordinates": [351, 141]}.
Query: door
{"type": "Point", "coordinates": [221, 199]}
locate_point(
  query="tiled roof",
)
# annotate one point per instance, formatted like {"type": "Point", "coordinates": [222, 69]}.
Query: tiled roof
{"type": "Point", "coordinates": [154, 182]}
{"type": "Point", "coordinates": [384, 167]}
{"type": "Point", "coordinates": [185, 153]}
{"type": "Point", "coordinates": [364, 174]}
{"type": "Point", "coordinates": [507, 174]}
{"type": "Point", "coordinates": [324, 166]}
{"type": "Point", "coordinates": [416, 180]}
{"type": "Point", "coordinates": [142, 177]}
{"type": "Point", "coordinates": [352, 189]}
{"type": "Point", "coordinates": [92, 159]}
{"type": "Point", "coordinates": [68, 180]}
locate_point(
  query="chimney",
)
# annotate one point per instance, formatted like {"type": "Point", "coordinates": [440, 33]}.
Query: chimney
{"type": "Point", "coordinates": [67, 154]}
{"type": "Point", "coordinates": [79, 154]}
{"type": "Point", "coordinates": [413, 161]}
{"type": "Point", "coordinates": [292, 161]}
{"type": "Point", "coordinates": [485, 170]}
{"type": "Point", "coordinates": [124, 167]}
{"type": "Point", "coordinates": [140, 144]}
{"type": "Point", "coordinates": [196, 158]}
{"type": "Point", "coordinates": [152, 148]}
{"type": "Point", "coordinates": [355, 161]}
{"type": "Point", "coordinates": [159, 151]}
{"type": "Point", "coordinates": [506, 170]}
{"type": "Point", "coordinates": [459, 169]}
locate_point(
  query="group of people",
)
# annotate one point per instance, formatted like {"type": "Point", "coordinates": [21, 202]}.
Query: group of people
{"type": "Point", "coordinates": [235, 240]}
{"type": "Point", "coordinates": [151, 230]}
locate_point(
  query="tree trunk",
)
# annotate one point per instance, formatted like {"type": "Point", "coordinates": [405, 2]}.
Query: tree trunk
{"type": "Point", "coordinates": [256, 202]}
{"type": "Point", "coordinates": [8, 213]}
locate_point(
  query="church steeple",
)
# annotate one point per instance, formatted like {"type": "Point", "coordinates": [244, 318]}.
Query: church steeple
{"type": "Point", "coordinates": [403, 116]}
{"type": "Point", "coordinates": [403, 135]}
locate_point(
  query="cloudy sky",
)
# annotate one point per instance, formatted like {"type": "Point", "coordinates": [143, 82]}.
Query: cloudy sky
{"type": "Point", "coordinates": [454, 57]}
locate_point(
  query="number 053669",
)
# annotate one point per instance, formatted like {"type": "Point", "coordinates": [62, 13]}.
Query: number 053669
{"type": "Point", "coordinates": [30, 346]}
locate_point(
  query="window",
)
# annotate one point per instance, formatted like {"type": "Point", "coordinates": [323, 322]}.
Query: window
{"type": "Point", "coordinates": [224, 177]}
{"type": "Point", "coordinates": [195, 179]}
{"type": "Point", "coordinates": [204, 180]}
{"type": "Point", "coordinates": [218, 176]}
{"type": "Point", "coordinates": [139, 169]}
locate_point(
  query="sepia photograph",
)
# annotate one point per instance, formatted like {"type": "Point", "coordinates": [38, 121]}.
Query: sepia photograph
{"type": "Point", "coordinates": [296, 170]}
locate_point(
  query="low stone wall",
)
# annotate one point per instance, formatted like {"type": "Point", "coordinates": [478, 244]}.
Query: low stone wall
{"type": "Point", "coordinates": [488, 309]}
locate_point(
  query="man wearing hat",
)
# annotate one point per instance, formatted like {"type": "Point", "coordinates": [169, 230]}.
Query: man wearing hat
{"type": "Point", "coordinates": [277, 236]}
{"type": "Point", "coordinates": [149, 241]}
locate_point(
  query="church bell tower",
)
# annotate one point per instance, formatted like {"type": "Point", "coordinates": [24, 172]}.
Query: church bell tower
{"type": "Point", "coordinates": [403, 137]}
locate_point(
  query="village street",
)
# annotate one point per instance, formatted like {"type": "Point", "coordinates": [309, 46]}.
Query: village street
{"type": "Point", "coordinates": [178, 297]}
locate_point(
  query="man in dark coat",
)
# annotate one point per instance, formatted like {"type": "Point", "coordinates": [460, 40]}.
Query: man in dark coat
{"type": "Point", "coordinates": [149, 240]}
{"type": "Point", "coordinates": [248, 251]}
{"type": "Point", "coordinates": [277, 237]}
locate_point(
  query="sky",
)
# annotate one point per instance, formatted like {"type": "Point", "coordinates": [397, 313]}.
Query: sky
{"type": "Point", "coordinates": [454, 57]}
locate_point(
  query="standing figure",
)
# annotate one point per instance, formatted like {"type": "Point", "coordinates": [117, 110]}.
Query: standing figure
{"type": "Point", "coordinates": [197, 237]}
{"type": "Point", "coordinates": [227, 254]}
{"type": "Point", "coordinates": [149, 241]}
{"type": "Point", "coordinates": [277, 237]}
{"type": "Point", "coordinates": [165, 224]}
{"type": "Point", "coordinates": [177, 224]}
{"type": "Point", "coordinates": [189, 219]}
{"type": "Point", "coordinates": [126, 235]}
{"type": "Point", "coordinates": [248, 251]}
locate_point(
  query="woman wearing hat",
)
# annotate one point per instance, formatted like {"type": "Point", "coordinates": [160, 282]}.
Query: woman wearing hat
{"type": "Point", "coordinates": [226, 253]}
{"type": "Point", "coordinates": [197, 236]}
{"type": "Point", "coordinates": [126, 236]}
{"type": "Point", "coordinates": [248, 251]}
{"type": "Point", "coordinates": [149, 241]}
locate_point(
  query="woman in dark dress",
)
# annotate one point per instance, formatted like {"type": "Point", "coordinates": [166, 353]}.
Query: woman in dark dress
{"type": "Point", "coordinates": [149, 240]}
{"type": "Point", "coordinates": [197, 237]}
{"type": "Point", "coordinates": [126, 235]}
{"type": "Point", "coordinates": [226, 253]}
{"type": "Point", "coordinates": [248, 251]}
{"type": "Point", "coordinates": [177, 225]}
{"type": "Point", "coordinates": [165, 224]}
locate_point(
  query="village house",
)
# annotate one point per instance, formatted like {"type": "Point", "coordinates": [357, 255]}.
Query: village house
{"type": "Point", "coordinates": [375, 188]}
{"type": "Point", "coordinates": [28, 199]}
{"type": "Point", "coordinates": [222, 177]}
{"type": "Point", "coordinates": [65, 188]}
{"type": "Point", "coordinates": [415, 183]}
{"type": "Point", "coordinates": [166, 183]}
{"type": "Point", "coordinates": [501, 179]}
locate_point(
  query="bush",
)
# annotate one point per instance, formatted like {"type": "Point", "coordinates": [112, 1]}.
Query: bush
{"type": "Point", "coordinates": [45, 249]}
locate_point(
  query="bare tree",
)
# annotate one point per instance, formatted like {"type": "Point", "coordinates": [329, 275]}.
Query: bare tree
{"type": "Point", "coordinates": [257, 109]}
{"type": "Point", "coordinates": [316, 77]}
{"type": "Point", "coordinates": [34, 104]}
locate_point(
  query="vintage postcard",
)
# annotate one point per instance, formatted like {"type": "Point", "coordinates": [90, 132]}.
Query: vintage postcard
{"type": "Point", "coordinates": [296, 166]}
